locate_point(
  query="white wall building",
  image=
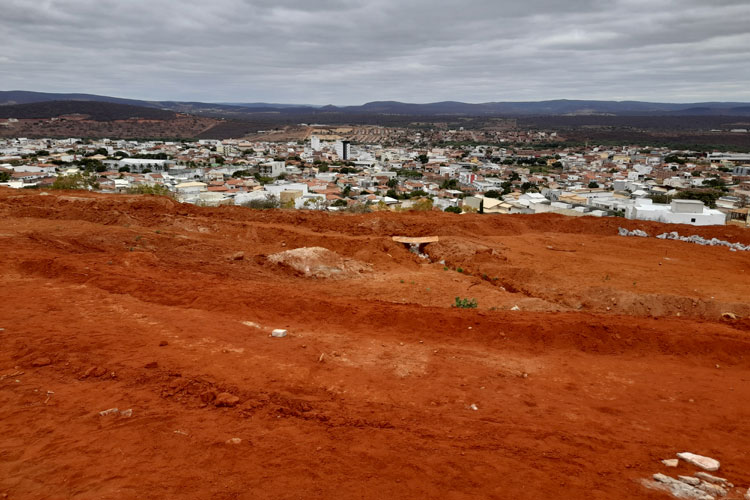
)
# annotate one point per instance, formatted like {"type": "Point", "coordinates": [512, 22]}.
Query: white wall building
{"type": "Point", "coordinates": [678, 212]}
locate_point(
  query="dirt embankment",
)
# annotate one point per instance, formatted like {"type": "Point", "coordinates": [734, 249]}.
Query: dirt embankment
{"type": "Point", "coordinates": [589, 357]}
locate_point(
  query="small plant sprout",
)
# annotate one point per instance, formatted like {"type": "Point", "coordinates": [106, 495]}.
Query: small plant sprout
{"type": "Point", "coordinates": [465, 303]}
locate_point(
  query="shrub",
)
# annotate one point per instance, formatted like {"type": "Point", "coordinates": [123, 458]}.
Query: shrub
{"type": "Point", "coordinates": [75, 181]}
{"type": "Point", "coordinates": [465, 303]}
{"type": "Point", "coordinates": [266, 203]}
{"type": "Point", "coordinates": [150, 189]}
{"type": "Point", "coordinates": [454, 210]}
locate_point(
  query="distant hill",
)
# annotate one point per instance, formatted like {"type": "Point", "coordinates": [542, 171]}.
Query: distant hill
{"type": "Point", "coordinates": [560, 107]}
{"type": "Point", "coordinates": [93, 110]}
{"type": "Point", "coordinates": [99, 119]}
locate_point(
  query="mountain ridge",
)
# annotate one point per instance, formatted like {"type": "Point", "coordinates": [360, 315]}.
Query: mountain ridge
{"type": "Point", "coordinates": [448, 108]}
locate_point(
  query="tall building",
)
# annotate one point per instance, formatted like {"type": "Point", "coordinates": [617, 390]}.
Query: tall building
{"type": "Point", "coordinates": [315, 142]}
{"type": "Point", "coordinates": [343, 149]}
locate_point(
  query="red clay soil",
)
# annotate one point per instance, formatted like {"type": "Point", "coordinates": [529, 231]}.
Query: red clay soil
{"type": "Point", "coordinates": [589, 358]}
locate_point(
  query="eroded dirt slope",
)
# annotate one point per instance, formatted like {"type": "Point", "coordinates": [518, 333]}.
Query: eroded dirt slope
{"type": "Point", "coordinates": [589, 358]}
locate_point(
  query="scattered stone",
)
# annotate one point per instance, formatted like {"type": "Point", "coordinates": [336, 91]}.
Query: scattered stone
{"type": "Point", "coordinates": [111, 411]}
{"type": "Point", "coordinates": [278, 333]}
{"type": "Point", "coordinates": [234, 441]}
{"type": "Point", "coordinates": [729, 316]}
{"type": "Point", "coordinates": [226, 399]}
{"type": "Point", "coordinates": [671, 462]}
{"type": "Point", "coordinates": [712, 489]}
{"type": "Point", "coordinates": [705, 463]}
{"type": "Point", "coordinates": [711, 478]}
{"type": "Point", "coordinates": [676, 488]}
{"type": "Point", "coordinates": [237, 256]}
{"type": "Point", "coordinates": [208, 396]}
{"type": "Point", "coordinates": [41, 362]}
{"type": "Point", "coordinates": [692, 481]}
{"type": "Point", "coordinates": [473, 407]}
{"type": "Point", "coordinates": [95, 371]}
{"type": "Point", "coordinates": [515, 308]}
{"type": "Point", "coordinates": [636, 232]}
{"type": "Point", "coordinates": [151, 365]}
{"type": "Point", "coordinates": [127, 413]}
{"type": "Point", "coordinates": [163, 343]}
{"type": "Point", "coordinates": [747, 494]}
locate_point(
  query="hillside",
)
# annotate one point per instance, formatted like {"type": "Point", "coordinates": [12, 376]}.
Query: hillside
{"type": "Point", "coordinates": [590, 357]}
{"type": "Point", "coordinates": [98, 119]}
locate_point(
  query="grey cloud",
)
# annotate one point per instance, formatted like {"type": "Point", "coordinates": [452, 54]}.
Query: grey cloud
{"type": "Point", "coordinates": [346, 51]}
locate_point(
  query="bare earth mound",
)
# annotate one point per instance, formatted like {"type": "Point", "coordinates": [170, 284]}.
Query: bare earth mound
{"type": "Point", "coordinates": [317, 262]}
{"type": "Point", "coordinates": [137, 358]}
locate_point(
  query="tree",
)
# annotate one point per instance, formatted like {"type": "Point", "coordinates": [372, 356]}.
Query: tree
{"type": "Point", "coordinates": [392, 183]}
{"type": "Point", "coordinates": [449, 184]}
{"type": "Point", "coordinates": [492, 194]}
{"type": "Point", "coordinates": [707, 196]}
{"type": "Point", "coordinates": [4, 176]}
{"type": "Point", "coordinates": [454, 210]}
{"type": "Point", "coordinates": [593, 185]}
{"type": "Point", "coordinates": [423, 158]}
{"type": "Point", "coordinates": [123, 169]}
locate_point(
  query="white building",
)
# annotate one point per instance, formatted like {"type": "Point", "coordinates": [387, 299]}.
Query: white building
{"type": "Point", "coordinates": [272, 169]}
{"type": "Point", "coordinates": [678, 212]}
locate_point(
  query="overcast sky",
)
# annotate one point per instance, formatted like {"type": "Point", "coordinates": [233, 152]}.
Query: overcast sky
{"type": "Point", "coordinates": [351, 52]}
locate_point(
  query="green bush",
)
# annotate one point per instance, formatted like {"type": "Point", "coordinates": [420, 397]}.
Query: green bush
{"type": "Point", "coordinates": [465, 303]}
{"type": "Point", "coordinates": [75, 181]}
{"type": "Point", "coordinates": [152, 189]}
{"type": "Point", "coordinates": [266, 203]}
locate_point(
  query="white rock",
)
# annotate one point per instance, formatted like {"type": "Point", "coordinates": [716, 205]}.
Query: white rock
{"type": "Point", "coordinates": [692, 481]}
{"type": "Point", "coordinates": [710, 478]}
{"type": "Point", "coordinates": [675, 487]}
{"type": "Point", "coordinates": [473, 407]}
{"type": "Point", "coordinates": [111, 411]}
{"type": "Point", "coordinates": [127, 413]}
{"type": "Point", "coordinates": [747, 495]}
{"type": "Point", "coordinates": [706, 463]}
{"type": "Point", "coordinates": [234, 441]}
{"type": "Point", "coordinates": [278, 333]}
{"type": "Point", "coordinates": [712, 489]}
{"type": "Point", "coordinates": [515, 308]}
{"type": "Point", "coordinates": [671, 462]}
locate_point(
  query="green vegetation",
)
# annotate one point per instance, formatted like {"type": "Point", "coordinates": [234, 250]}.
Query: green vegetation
{"type": "Point", "coordinates": [150, 189]}
{"type": "Point", "coordinates": [465, 303]}
{"type": "Point", "coordinates": [449, 184]}
{"type": "Point", "coordinates": [410, 174]}
{"type": "Point", "coordinates": [454, 210]}
{"type": "Point", "coordinates": [76, 181]}
{"type": "Point", "coordinates": [269, 202]}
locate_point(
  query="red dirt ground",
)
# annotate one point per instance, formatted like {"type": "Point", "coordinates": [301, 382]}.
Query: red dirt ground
{"type": "Point", "coordinates": [617, 358]}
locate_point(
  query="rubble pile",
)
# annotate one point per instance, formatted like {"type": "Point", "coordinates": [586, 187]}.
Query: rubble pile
{"type": "Point", "coordinates": [698, 240]}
